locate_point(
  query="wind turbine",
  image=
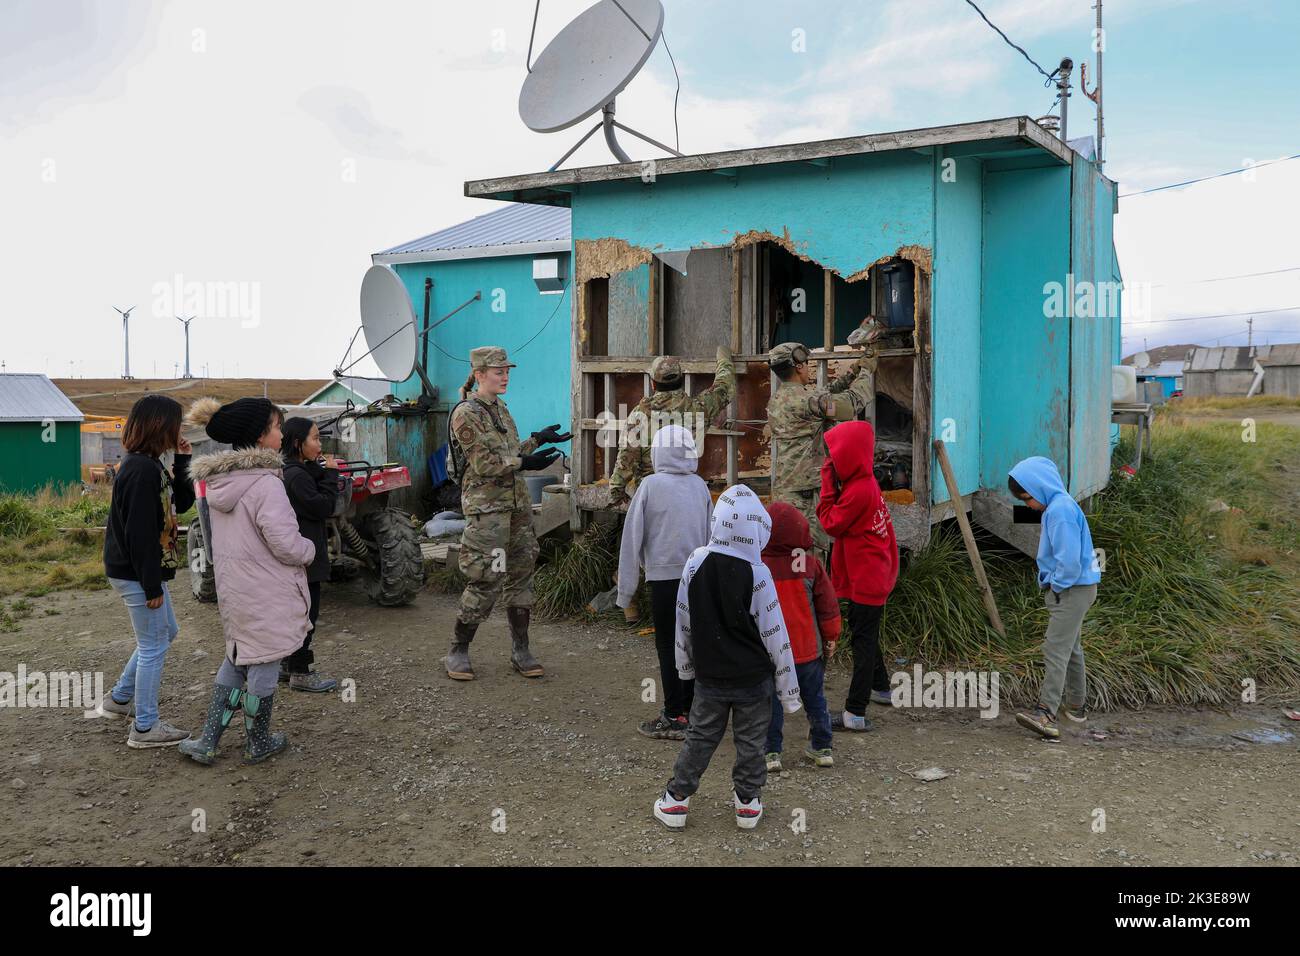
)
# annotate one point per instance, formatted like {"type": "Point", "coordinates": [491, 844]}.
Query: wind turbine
{"type": "Point", "coordinates": [186, 323]}
{"type": "Point", "coordinates": [126, 336]}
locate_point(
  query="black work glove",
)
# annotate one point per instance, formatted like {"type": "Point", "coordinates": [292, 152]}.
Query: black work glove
{"type": "Point", "coordinates": [538, 459]}
{"type": "Point", "coordinates": [551, 434]}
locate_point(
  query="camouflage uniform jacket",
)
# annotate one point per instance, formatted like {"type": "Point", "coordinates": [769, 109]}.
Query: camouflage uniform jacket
{"type": "Point", "coordinates": [634, 460]}
{"type": "Point", "coordinates": [799, 415]}
{"type": "Point", "coordinates": [489, 442]}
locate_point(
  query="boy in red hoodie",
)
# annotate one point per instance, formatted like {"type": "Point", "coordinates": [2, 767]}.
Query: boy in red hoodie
{"type": "Point", "coordinates": [864, 563]}
{"type": "Point", "coordinates": [812, 623]}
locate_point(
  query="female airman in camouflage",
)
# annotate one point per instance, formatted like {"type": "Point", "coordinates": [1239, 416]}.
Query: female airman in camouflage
{"type": "Point", "coordinates": [498, 550]}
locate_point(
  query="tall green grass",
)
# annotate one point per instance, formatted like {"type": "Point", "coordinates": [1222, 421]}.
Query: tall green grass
{"type": "Point", "coordinates": [1192, 600]}
{"type": "Point", "coordinates": [49, 540]}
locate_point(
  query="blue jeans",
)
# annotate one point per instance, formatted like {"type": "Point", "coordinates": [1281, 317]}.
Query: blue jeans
{"type": "Point", "coordinates": [811, 677]}
{"type": "Point", "coordinates": [155, 629]}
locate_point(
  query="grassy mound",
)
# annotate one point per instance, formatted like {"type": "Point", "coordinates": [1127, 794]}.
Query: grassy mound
{"type": "Point", "coordinates": [1199, 590]}
{"type": "Point", "coordinates": [50, 541]}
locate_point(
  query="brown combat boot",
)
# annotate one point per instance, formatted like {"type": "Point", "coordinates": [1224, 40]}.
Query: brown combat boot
{"type": "Point", "coordinates": [458, 665]}
{"type": "Point", "coordinates": [521, 658]}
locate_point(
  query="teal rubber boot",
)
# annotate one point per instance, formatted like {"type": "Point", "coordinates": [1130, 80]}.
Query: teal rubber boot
{"type": "Point", "coordinates": [224, 703]}
{"type": "Point", "coordinates": [260, 743]}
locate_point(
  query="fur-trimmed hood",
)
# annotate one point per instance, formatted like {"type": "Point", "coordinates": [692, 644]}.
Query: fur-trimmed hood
{"type": "Point", "coordinates": [206, 467]}
{"type": "Point", "coordinates": [230, 475]}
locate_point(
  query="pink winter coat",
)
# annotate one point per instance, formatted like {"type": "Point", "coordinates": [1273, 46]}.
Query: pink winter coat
{"type": "Point", "coordinates": [258, 556]}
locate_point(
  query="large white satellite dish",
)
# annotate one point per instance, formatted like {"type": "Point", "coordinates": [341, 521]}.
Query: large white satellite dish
{"type": "Point", "coordinates": [388, 321]}
{"type": "Point", "coordinates": [586, 66]}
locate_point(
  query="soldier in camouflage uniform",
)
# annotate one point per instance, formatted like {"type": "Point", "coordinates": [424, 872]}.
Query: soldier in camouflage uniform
{"type": "Point", "coordinates": [498, 548]}
{"type": "Point", "coordinates": [669, 404]}
{"type": "Point", "coordinates": [798, 415]}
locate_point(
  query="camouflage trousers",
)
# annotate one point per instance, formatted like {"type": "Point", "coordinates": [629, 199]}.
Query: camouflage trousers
{"type": "Point", "coordinates": [806, 501]}
{"type": "Point", "coordinates": [498, 551]}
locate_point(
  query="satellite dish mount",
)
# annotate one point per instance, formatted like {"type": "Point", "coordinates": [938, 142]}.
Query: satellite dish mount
{"type": "Point", "coordinates": [586, 66]}
{"type": "Point", "coordinates": [388, 322]}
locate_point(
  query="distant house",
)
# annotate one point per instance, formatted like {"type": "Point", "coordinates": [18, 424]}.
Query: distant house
{"type": "Point", "coordinates": [1243, 370]}
{"type": "Point", "coordinates": [1281, 365]}
{"type": "Point", "coordinates": [1168, 375]}
{"type": "Point", "coordinates": [40, 434]}
{"type": "Point", "coordinates": [358, 391]}
{"type": "Point", "coordinates": [1222, 370]}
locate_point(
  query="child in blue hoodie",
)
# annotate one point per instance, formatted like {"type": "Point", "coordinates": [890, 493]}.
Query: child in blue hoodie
{"type": "Point", "coordinates": [1068, 573]}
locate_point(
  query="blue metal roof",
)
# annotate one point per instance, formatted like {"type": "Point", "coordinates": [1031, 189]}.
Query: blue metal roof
{"type": "Point", "coordinates": [514, 229]}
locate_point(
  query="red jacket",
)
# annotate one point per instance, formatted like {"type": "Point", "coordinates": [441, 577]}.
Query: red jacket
{"type": "Point", "coordinates": [808, 604]}
{"type": "Point", "coordinates": [864, 563]}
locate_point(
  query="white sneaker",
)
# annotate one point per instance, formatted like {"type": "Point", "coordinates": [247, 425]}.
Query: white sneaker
{"type": "Point", "coordinates": [747, 814]}
{"type": "Point", "coordinates": [671, 812]}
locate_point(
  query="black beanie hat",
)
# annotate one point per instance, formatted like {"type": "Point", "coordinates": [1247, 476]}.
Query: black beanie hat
{"type": "Point", "coordinates": [242, 422]}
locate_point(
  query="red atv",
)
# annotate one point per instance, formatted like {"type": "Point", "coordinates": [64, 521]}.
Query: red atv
{"type": "Point", "coordinates": [363, 536]}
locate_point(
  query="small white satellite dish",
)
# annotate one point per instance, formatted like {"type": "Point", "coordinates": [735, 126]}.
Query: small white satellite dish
{"type": "Point", "coordinates": [388, 321]}
{"type": "Point", "coordinates": [1142, 360]}
{"type": "Point", "coordinates": [586, 66]}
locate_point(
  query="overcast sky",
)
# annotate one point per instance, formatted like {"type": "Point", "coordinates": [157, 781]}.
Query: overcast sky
{"type": "Point", "coordinates": [273, 146]}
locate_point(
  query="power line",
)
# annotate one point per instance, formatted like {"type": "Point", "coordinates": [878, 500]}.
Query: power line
{"type": "Point", "coordinates": [1230, 172]}
{"type": "Point", "coordinates": [1244, 275]}
{"type": "Point", "coordinates": [1012, 45]}
{"type": "Point", "coordinates": [1256, 332]}
{"type": "Point", "coordinates": [1225, 315]}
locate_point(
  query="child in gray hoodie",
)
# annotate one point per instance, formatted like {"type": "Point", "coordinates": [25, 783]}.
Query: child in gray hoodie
{"type": "Point", "coordinates": [667, 519]}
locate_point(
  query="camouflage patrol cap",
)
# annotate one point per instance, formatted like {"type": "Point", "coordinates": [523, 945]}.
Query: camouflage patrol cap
{"type": "Point", "coordinates": [666, 369]}
{"type": "Point", "coordinates": [489, 356]}
{"type": "Point", "coordinates": [787, 353]}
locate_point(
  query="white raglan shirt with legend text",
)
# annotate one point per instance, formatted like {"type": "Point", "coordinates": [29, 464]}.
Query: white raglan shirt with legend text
{"type": "Point", "coordinates": [741, 509]}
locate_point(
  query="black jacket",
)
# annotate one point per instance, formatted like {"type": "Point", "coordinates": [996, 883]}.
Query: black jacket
{"type": "Point", "coordinates": [725, 643]}
{"type": "Point", "coordinates": [133, 538]}
{"type": "Point", "coordinates": [313, 490]}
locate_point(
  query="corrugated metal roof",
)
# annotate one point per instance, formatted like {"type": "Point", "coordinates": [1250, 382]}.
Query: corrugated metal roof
{"type": "Point", "coordinates": [1222, 358]}
{"type": "Point", "coordinates": [1288, 354]}
{"type": "Point", "coordinates": [366, 388]}
{"type": "Point", "coordinates": [1172, 368]}
{"type": "Point", "coordinates": [1241, 357]}
{"type": "Point", "coordinates": [32, 397]}
{"type": "Point", "coordinates": [518, 228]}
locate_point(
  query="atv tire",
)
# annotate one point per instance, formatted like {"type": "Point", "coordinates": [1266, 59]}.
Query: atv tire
{"type": "Point", "coordinates": [401, 565]}
{"type": "Point", "coordinates": [203, 581]}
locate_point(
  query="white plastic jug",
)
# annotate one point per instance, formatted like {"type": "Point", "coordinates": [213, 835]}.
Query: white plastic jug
{"type": "Point", "coordinates": [1123, 385]}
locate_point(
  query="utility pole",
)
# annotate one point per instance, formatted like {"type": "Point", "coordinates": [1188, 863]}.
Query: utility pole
{"type": "Point", "coordinates": [1100, 43]}
{"type": "Point", "coordinates": [1250, 331]}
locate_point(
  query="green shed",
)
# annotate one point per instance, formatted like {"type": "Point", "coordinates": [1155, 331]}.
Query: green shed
{"type": "Point", "coordinates": [40, 435]}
